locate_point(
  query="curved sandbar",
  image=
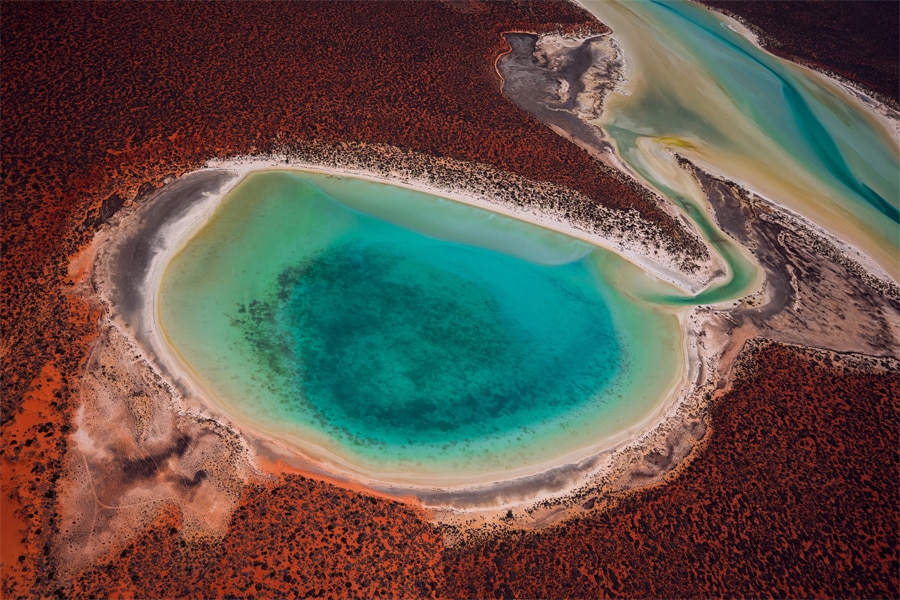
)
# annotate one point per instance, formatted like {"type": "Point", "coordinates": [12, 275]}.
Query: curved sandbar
{"type": "Point", "coordinates": [529, 481]}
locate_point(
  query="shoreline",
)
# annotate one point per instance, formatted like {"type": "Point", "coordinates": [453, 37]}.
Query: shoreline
{"type": "Point", "coordinates": [528, 489]}
{"type": "Point", "coordinates": [561, 474]}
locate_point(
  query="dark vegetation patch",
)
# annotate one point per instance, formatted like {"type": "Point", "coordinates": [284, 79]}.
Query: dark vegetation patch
{"type": "Point", "coordinates": [147, 466]}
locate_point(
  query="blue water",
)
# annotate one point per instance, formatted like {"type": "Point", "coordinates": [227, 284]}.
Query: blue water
{"type": "Point", "coordinates": [823, 133]}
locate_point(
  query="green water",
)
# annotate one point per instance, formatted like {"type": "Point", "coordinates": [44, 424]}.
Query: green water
{"type": "Point", "coordinates": [699, 88]}
{"type": "Point", "coordinates": [396, 332]}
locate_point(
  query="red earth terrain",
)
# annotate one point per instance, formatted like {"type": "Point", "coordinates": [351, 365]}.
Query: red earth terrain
{"type": "Point", "coordinates": [793, 495]}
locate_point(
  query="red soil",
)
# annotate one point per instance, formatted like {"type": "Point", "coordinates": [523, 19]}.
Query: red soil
{"type": "Point", "coordinates": [794, 497]}
{"type": "Point", "coordinates": [98, 99]}
{"type": "Point", "coordinates": [30, 462]}
{"type": "Point", "coordinates": [32, 454]}
{"type": "Point", "coordinates": [297, 537]}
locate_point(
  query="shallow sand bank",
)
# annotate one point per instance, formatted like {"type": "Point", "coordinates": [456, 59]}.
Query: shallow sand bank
{"type": "Point", "coordinates": [551, 207]}
{"type": "Point", "coordinates": [746, 144]}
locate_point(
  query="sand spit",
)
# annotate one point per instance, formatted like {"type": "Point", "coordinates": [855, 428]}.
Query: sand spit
{"type": "Point", "coordinates": [563, 81]}
{"type": "Point", "coordinates": [759, 171]}
{"type": "Point", "coordinates": [818, 291]}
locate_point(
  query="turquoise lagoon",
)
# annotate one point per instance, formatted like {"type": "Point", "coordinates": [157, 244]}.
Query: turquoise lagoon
{"type": "Point", "coordinates": [401, 335]}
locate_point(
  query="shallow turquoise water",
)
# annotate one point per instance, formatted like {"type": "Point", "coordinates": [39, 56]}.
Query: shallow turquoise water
{"type": "Point", "coordinates": [705, 91]}
{"type": "Point", "coordinates": [349, 316]}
